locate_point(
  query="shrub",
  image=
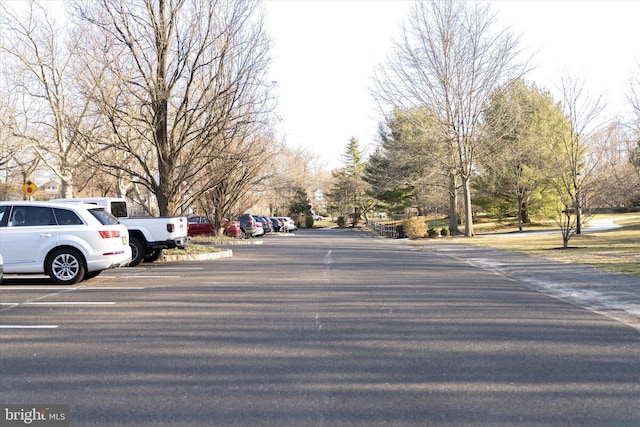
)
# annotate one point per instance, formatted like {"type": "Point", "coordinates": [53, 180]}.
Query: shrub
{"type": "Point", "coordinates": [414, 228]}
{"type": "Point", "coordinates": [444, 232]}
{"type": "Point", "coordinates": [308, 221]}
{"type": "Point", "coordinates": [432, 232]}
{"type": "Point", "coordinates": [341, 222]}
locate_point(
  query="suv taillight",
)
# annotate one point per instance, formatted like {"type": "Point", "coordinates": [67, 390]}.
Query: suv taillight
{"type": "Point", "coordinates": [109, 234]}
{"type": "Point", "coordinates": [171, 228]}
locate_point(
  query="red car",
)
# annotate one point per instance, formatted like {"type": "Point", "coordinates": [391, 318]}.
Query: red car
{"type": "Point", "coordinates": [233, 229]}
{"type": "Point", "coordinates": [199, 225]}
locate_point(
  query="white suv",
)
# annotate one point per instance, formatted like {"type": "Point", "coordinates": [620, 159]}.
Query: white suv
{"type": "Point", "coordinates": [68, 242]}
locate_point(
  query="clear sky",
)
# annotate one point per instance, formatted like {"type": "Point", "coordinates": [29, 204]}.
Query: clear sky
{"type": "Point", "coordinates": [325, 52]}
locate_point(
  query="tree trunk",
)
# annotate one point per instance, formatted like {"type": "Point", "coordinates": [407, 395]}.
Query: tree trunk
{"type": "Point", "coordinates": [521, 213]}
{"type": "Point", "coordinates": [525, 213]}
{"type": "Point", "coordinates": [66, 189]}
{"type": "Point", "coordinates": [578, 219]}
{"type": "Point", "coordinates": [453, 205]}
{"type": "Point", "coordinates": [163, 204]}
{"type": "Point", "coordinates": [121, 189]}
{"type": "Point", "coordinates": [356, 216]}
{"type": "Point", "coordinates": [160, 120]}
{"type": "Point", "coordinates": [468, 211]}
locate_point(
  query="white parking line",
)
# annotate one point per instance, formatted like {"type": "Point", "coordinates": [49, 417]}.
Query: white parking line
{"type": "Point", "coordinates": [35, 288]}
{"type": "Point", "coordinates": [87, 288]}
{"type": "Point", "coordinates": [150, 277]}
{"type": "Point", "coordinates": [58, 291]}
{"type": "Point", "coordinates": [59, 303]}
{"type": "Point", "coordinates": [28, 326]}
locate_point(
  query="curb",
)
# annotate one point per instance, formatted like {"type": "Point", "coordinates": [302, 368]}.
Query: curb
{"type": "Point", "coordinates": [197, 257]}
{"type": "Point", "coordinates": [231, 242]}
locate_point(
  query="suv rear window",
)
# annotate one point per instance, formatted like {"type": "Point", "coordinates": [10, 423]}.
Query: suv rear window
{"type": "Point", "coordinates": [104, 217]}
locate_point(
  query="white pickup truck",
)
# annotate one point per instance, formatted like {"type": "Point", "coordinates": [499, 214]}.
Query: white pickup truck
{"type": "Point", "coordinates": [148, 236]}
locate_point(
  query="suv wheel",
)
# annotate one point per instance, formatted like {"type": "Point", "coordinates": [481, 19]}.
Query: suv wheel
{"type": "Point", "coordinates": [66, 267]}
{"type": "Point", "coordinates": [138, 252]}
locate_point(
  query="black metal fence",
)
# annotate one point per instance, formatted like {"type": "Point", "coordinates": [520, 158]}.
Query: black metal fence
{"type": "Point", "coordinates": [393, 230]}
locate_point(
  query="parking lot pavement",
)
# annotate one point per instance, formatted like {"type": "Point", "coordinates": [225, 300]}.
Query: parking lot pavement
{"type": "Point", "coordinates": [611, 294]}
{"type": "Point", "coordinates": [37, 293]}
{"type": "Point", "coordinates": [327, 328]}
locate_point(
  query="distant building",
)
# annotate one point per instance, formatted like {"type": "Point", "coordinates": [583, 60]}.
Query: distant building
{"type": "Point", "coordinates": [49, 190]}
{"type": "Point", "coordinates": [319, 204]}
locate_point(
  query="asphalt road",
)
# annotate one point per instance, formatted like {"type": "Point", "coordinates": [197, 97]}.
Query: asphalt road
{"type": "Point", "coordinates": [324, 328]}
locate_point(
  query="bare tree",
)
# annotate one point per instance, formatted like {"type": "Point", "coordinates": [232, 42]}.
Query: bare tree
{"type": "Point", "coordinates": [288, 169]}
{"type": "Point", "coordinates": [6, 119]}
{"type": "Point", "coordinates": [9, 146]}
{"type": "Point", "coordinates": [238, 177]}
{"type": "Point", "coordinates": [617, 177]}
{"type": "Point", "coordinates": [177, 83]}
{"type": "Point", "coordinates": [634, 148]}
{"type": "Point", "coordinates": [19, 162]}
{"type": "Point", "coordinates": [633, 96]}
{"type": "Point", "coordinates": [40, 59]}
{"type": "Point", "coordinates": [578, 155]}
{"type": "Point", "coordinates": [449, 59]}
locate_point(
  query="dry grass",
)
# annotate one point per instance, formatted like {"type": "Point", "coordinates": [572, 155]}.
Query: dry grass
{"type": "Point", "coordinates": [199, 245]}
{"type": "Point", "coordinates": [614, 250]}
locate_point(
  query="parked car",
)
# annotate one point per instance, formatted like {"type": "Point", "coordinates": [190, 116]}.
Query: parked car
{"type": "Point", "coordinates": [267, 225]}
{"type": "Point", "coordinates": [69, 242]}
{"type": "Point", "coordinates": [277, 224]}
{"type": "Point", "coordinates": [1, 268]}
{"type": "Point", "coordinates": [198, 225]}
{"type": "Point", "coordinates": [247, 225]}
{"type": "Point", "coordinates": [289, 224]}
{"type": "Point", "coordinates": [233, 229]}
{"type": "Point", "coordinates": [148, 236]}
{"type": "Point", "coordinates": [259, 227]}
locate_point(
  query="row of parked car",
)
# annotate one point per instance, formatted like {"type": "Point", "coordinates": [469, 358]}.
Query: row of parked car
{"type": "Point", "coordinates": [75, 241]}
{"type": "Point", "coordinates": [243, 227]}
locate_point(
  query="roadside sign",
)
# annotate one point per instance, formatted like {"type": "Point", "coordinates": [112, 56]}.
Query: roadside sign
{"type": "Point", "coordinates": [29, 188]}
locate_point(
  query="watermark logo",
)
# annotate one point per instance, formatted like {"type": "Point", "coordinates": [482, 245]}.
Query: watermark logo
{"type": "Point", "coordinates": [34, 415]}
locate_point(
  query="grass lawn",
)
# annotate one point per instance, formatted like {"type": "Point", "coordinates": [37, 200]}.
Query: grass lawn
{"type": "Point", "coordinates": [200, 245]}
{"type": "Point", "coordinates": [614, 250]}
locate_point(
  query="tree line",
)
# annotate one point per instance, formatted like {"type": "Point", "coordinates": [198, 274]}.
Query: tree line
{"type": "Point", "coordinates": [167, 102]}
{"type": "Point", "coordinates": [461, 119]}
